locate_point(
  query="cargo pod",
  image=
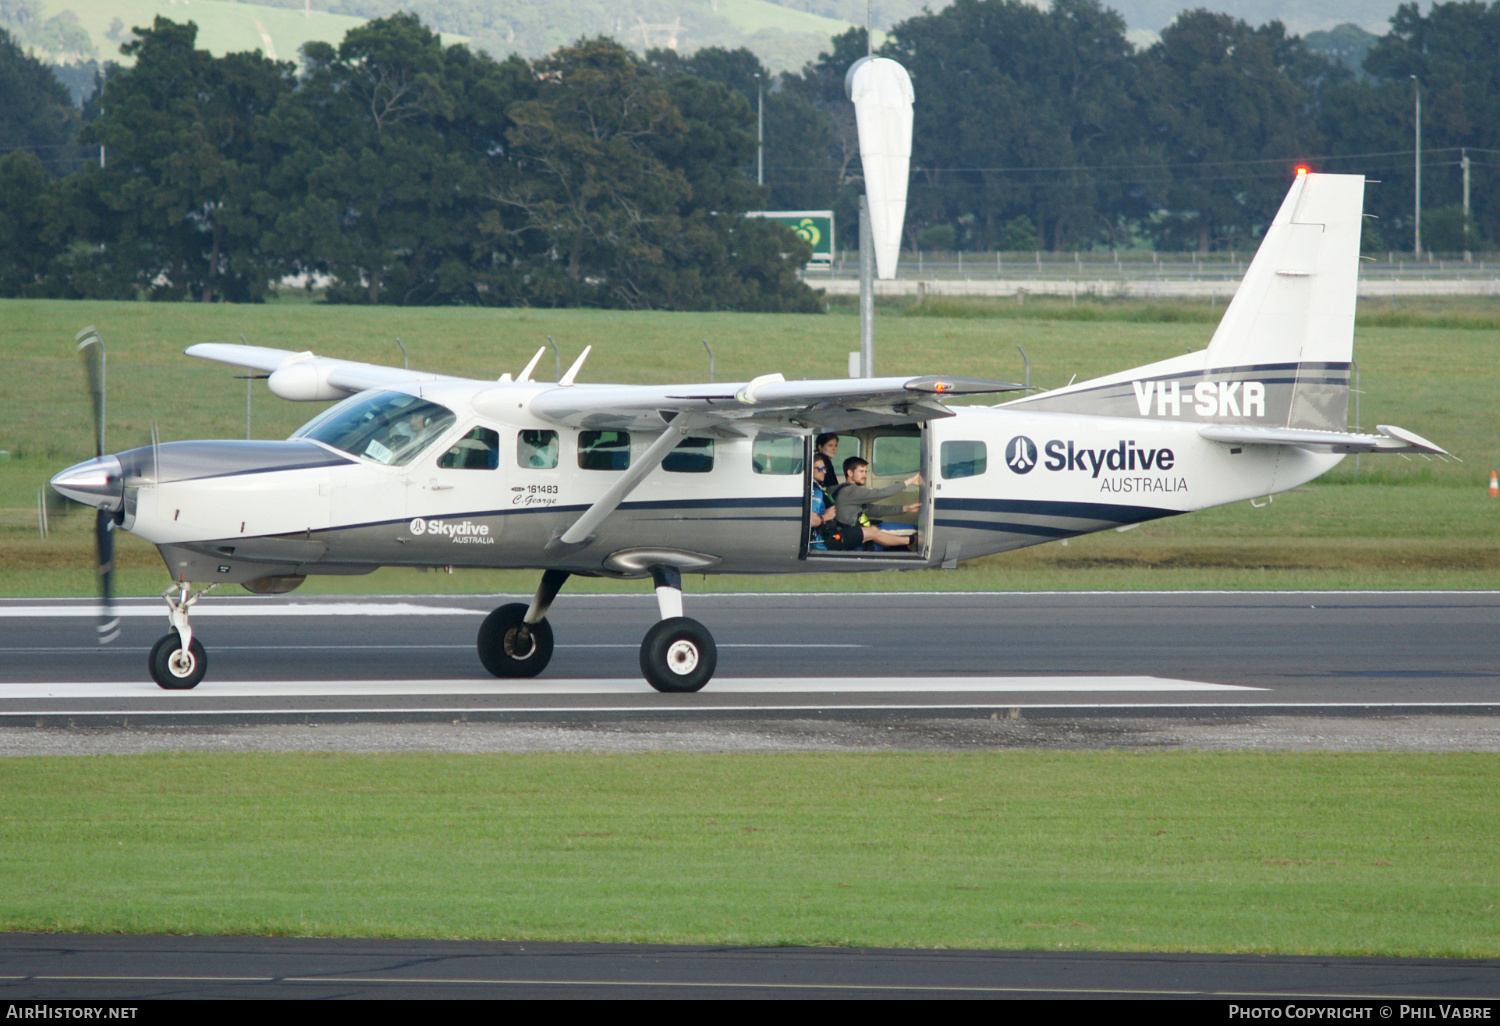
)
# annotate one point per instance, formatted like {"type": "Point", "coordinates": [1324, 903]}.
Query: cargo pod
{"type": "Point", "coordinates": [895, 453]}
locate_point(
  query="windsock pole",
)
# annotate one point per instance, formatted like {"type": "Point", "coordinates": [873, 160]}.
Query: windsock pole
{"type": "Point", "coordinates": [1494, 485]}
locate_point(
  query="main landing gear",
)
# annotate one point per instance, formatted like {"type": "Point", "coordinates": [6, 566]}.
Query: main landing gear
{"type": "Point", "coordinates": [677, 655]}
{"type": "Point", "coordinates": [177, 661]}
{"type": "Point", "coordinates": [516, 640]}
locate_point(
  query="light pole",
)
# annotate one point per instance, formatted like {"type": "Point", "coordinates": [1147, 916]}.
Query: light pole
{"type": "Point", "coordinates": [760, 131]}
{"type": "Point", "coordinates": [1417, 234]}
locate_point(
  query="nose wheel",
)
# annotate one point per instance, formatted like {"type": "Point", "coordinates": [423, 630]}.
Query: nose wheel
{"type": "Point", "coordinates": [177, 661]}
{"type": "Point", "coordinates": [175, 668]}
{"type": "Point", "coordinates": [678, 654]}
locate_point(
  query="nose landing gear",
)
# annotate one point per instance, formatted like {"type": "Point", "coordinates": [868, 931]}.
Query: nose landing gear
{"type": "Point", "coordinates": [678, 654]}
{"type": "Point", "coordinates": [178, 661]}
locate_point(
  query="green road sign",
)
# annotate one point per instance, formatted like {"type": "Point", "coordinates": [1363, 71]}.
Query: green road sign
{"type": "Point", "coordinates": [816, 226]}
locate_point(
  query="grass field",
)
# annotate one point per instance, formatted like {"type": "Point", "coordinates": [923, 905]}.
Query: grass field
{"type": "Point", "coordinates": [1400, 524]}
{"type": "Point", "coordinates": [1295, 853]}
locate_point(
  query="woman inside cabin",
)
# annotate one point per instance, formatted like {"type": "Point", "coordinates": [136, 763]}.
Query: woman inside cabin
{"type": "Point", "coordinates": [822, 510]}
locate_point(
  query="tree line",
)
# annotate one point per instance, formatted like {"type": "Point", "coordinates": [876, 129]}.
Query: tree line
{"type": "Point", "coordinates": [1046, 129]}
{"type": "Point", "coordinates": [402, 171]}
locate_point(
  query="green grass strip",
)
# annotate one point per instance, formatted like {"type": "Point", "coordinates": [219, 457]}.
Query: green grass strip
{"type": "Point", "coordinates": [1379, 854]}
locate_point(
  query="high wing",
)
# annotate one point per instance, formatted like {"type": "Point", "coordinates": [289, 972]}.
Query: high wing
{"type": "Point", "coordinates": [1390, 439]}
{"type": "Point", "coordinates": [837, 404]}
{"type": "Point", "coordinates": [303, 376]}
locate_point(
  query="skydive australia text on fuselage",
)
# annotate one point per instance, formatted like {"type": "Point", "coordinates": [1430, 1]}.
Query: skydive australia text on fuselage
{"type": "Point", "coordinates": [1124, 456]}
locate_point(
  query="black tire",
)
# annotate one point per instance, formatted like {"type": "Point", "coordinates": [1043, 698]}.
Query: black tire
{"type": "Point", "coordinates": [508, 647]}
{"type": "Point", "coordinates": [164, 666]}
{"type": "Point", "coordinates": [679, 655]}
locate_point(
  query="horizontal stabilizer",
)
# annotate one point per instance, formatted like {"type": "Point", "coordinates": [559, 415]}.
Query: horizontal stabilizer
{"type": "Point", "coordinates": [1390, 439]}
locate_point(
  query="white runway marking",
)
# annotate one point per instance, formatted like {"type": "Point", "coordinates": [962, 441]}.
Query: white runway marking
{"type": "Point", "coordinates": [207, 608]}
{"type": "Point", "coordinates": [617, 686]}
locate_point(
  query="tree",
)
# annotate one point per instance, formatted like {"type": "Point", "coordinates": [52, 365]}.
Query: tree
{"type": "Point", "coordinates": [183, 188]}
{"type": "Point", "coordinates": [622, 191]}
{"type": "Point", "coordinates": [1231, 108]}
{"type": "Point", "coordinates": [1021, 111]}
{"type": "Point", "coordinates": [1454, 51]}
{"type": "Point", "coordinates": [36, 113]}
{"type": "Point", "coordinates": [397, 142]}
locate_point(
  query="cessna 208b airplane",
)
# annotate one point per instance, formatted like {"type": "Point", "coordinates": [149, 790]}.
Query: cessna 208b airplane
{"type": "Point", "coordinates": [415, 469]}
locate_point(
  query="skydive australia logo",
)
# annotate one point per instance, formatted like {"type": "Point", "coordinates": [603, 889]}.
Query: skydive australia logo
{"type": "Point", "coordinates": [1020, 455]}
{"type": "Point", "coordinates": [462, 533]}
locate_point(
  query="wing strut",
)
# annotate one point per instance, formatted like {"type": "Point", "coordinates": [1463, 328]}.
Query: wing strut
{"type": "Point", "coordinates": [582, 529]}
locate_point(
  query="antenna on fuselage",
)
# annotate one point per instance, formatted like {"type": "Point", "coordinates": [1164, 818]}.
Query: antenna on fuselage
{"type": "Point", "coordinates": [567, 379]}
{"type": "Point", "coordinates": [525, 375]}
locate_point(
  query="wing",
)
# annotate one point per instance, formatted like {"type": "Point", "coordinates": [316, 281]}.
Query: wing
{"type": "Point", "coordinates": [1390, 439]}
{"type": "Point", "coordinates": [838, 404]}
{"type": "Point", "coordinates": [306, 373]}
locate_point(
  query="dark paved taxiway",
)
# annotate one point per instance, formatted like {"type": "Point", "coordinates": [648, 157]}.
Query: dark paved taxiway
{"type": "Point", "coordinates": [84, 968]}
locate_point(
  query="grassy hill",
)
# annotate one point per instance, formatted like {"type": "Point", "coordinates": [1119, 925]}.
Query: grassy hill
{"type": "Point", "coordinates": [68, 31]}
{"type": "Point", "coordinates": [223, 27]}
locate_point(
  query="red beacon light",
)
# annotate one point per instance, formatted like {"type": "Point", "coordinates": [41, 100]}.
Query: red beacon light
{"type": "Point", "coordinates": [1301, 169]}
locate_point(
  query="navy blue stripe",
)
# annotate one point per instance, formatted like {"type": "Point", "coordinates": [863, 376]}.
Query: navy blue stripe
{"type": "Point", "coordinates": [773, 501]}
{"type": "Point", "coordinates": [1046, 508]}
{"type": "Point", "coordinates": [1219, 371]}
{"type": "Point", "coordinates": [992, 525]}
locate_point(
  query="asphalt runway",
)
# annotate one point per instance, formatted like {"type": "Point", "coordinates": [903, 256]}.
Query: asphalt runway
{"type": "Point", "coordinates": [849, 655]}
{"type": "Point", "coordinates": [125, 969]}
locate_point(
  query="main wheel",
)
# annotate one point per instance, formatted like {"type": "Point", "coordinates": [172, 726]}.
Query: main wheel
{"type": "Point", "coordinates": [174, 669]}
{"type": "Point", "coordinates": [678, 655]}
{"type": "Point", "coordinates": [509, 647]}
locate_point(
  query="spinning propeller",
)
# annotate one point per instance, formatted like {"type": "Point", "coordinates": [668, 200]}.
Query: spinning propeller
{"type": "Point", "coordinates": [91, 347]}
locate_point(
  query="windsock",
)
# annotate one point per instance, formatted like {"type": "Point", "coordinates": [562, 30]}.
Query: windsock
{"type": "Point", "coordinates": [881, 92]}
{"type": "Point", "coordinates": [1494, 485]}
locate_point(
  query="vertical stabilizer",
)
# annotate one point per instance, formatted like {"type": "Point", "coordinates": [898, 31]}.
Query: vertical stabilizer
{"type": "Point", "coordinates": [1280, 356]}
{"type": "Point", "coordinates": [1296, 304]}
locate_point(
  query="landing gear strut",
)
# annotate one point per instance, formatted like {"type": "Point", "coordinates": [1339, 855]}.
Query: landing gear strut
{"type": "Point", "coordinates": [516, 640]}
{"type": "Point", "coordinates": [678, 654]}
{"type": "Point", "coordinates": [178, 661]}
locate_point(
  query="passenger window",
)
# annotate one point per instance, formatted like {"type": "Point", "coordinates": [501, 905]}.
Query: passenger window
{"type": "Point", "coordinates": [962, 459]}
{"type": "Point", "coordinates": [603, 450]}
{"type": "Point", "coordinates": [692, 456]}
{"type": "Point", "coordinates": [777, 455]}
{"type": "Point", "coordinates": [477, 450]}
{"type": "Point", "coordinates": [895, 455]}
{"type": "Point", "coordinates": [848, 446]}
{"type": "Point", "coordinates": [537, 450]}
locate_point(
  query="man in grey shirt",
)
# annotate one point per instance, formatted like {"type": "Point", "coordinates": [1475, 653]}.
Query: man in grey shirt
{"type": "Point", "coordinates": [854, 498]}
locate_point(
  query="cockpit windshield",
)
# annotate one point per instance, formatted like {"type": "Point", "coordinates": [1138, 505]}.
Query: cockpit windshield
{"type": "Point", "coordinates": [387, 427]}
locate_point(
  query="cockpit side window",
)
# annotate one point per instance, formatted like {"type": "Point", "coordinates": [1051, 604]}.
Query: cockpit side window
{"type": "Point", "coordinates": [477, 450]}
{"type": "Point", "coordinates": [386, 427]}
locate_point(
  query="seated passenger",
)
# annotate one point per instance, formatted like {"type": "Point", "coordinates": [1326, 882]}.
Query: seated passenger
{"type": "Point", "coordinates": [822, 509]}
{"type": "Point", "coordinates": [828, 446]}
{"type": "Point", "coordinates": [856, 502]}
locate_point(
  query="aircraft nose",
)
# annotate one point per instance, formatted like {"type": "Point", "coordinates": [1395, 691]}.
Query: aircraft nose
{"type": "Point", "coordinates": [98, 482]}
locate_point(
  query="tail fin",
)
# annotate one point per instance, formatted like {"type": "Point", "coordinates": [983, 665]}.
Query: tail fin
{"type": "Point", "coordinates": [1280, 356]}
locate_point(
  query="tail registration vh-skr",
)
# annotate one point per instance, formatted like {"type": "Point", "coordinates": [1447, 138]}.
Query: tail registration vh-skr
{"type": "Point", "coordinates": [637, 481]}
